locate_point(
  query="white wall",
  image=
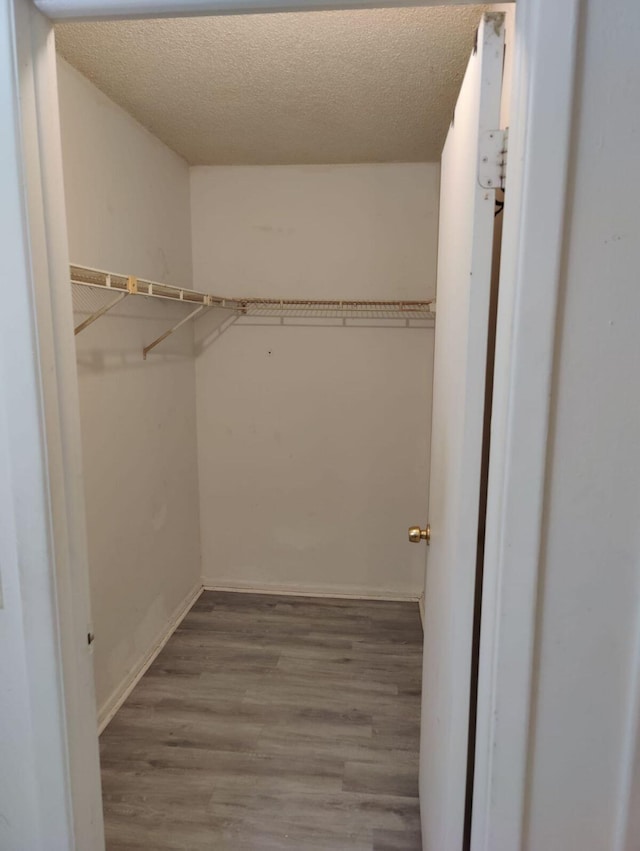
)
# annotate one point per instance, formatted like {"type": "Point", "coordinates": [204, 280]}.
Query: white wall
{"type": "Point", "coordinates": [365, 231]}
{"type": "Point", "coordinates": [128, 211]}
{"type": "Point", "coordinates": [313, 439]}
{"type": "Point", "coordinates": [585, 714]}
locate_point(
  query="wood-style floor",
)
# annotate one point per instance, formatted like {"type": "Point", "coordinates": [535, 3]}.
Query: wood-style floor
{"type": "Point", "coordinates": [272, 723]}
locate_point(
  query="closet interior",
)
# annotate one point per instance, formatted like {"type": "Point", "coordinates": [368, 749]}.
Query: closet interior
{"type": "Point", "coordinates": [252, 216]}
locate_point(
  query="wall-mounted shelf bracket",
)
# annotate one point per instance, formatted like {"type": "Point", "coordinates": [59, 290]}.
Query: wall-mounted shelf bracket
{"type": "Point", "coordinates": [174, 328]}
{"type": "Point", "coordinates": [90, 319]}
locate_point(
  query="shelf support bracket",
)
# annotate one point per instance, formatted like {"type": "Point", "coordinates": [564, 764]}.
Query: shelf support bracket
{"type": "Point", "coordinates": [171, 330]}
{"type": "Point", "coordinates": [99, 313]}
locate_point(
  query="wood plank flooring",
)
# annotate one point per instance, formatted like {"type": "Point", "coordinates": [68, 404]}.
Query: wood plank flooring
{"type": "Point", "coordinates": [270, 723]}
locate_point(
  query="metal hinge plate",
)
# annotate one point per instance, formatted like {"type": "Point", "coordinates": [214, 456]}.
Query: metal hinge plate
{"type": "Point", "coordinates": [492, 166]}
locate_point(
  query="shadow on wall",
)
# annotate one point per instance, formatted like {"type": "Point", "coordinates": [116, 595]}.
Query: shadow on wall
{"type": "Point", "coordinates": [210, 327]}
{"type": "Point", "coordinates": [116, 340]}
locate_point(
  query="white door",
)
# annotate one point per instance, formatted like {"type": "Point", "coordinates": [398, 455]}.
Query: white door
{"type": "Point", "coordinates": [462, 299]}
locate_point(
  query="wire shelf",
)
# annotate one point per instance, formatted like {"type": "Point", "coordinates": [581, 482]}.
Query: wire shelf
{"type": "Point", "coordinates": [104, 290]}
{"type": "Point", "coordinates": [337, 310]}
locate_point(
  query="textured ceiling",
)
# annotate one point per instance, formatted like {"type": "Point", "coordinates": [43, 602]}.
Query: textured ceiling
{"type": "Point", "coordinates": [371, 85]}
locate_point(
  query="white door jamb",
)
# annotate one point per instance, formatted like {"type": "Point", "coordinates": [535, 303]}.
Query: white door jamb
{"type": "Point", "coordinates": [533, 235]}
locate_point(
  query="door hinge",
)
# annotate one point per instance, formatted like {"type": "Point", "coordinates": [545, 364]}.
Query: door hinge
{"type": "Point", "coordinates": [492, 165]}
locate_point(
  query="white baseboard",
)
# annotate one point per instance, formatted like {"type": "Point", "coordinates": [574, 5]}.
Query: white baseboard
{"type": "Point", "coordinates": [122, 692]}
{"type": "Point", "coordinates": [340, 592]}
{"type": "Point", "coordinates": [421, 605]}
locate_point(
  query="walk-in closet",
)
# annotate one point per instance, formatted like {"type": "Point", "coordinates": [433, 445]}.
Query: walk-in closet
{"type": "Point", "coordinates": [257, 218]}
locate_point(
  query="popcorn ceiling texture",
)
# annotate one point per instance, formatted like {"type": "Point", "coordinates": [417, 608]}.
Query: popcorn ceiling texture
{"type": "Point", "coordinates": [370, 85]}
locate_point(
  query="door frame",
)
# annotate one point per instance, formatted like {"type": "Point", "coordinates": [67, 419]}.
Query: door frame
{"type": "Point", "coordinates": [542, 106]}
{"type": "Point", "coordinates": [46, 609]}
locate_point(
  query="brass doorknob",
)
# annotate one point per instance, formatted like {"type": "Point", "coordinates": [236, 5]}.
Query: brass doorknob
{"type": "Point", "coordinates": [416, 534]}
